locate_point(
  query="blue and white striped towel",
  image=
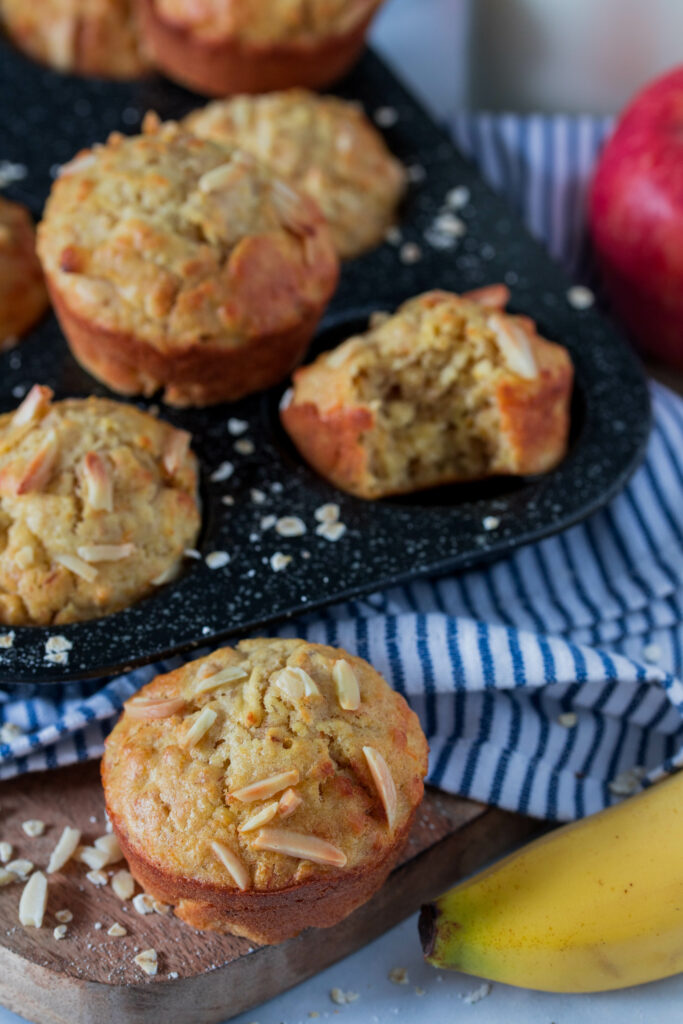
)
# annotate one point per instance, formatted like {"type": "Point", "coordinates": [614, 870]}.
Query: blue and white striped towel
{"type": "Point", "coordinates": [535, 679]}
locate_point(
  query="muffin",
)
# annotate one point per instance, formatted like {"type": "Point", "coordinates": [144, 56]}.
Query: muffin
{"type": "Point", "coordinates": [265, 788]}
{"type": "Point", "coordinates": [321, 145]}
{"type": "Point", "coordinates": [179, 264]}
{"type": "Point", "coordinates": [448, 389]}
{"type": "Point", "coordinates": [98, 501]}
{"type": "Point", "coordinates": [219, 47]}
{"type": "Point", "coordinates": [23, 298]}
{"type": "Point", "coordinates": [89, 37]}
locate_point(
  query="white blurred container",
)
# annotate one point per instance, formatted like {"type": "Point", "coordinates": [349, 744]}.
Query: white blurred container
{"type": "Point", "coordinates": [567, 55]}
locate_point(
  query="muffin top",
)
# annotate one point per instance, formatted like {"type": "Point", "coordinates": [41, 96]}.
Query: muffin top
{"type": "Point", "coordinates": [322, 145]}
{"type": "Point", "coordinates": [263, 22]}
{"type": "Point", "coordinates": [179, 240]}
{"type": "Point", "coordinates": [97, 504]}
{"type": "Point", "coordinates": [96, 37]}
{"type": "Point", "coordinates": [22, 291]}
{"type": "Point", "coordinates": [295, 758]}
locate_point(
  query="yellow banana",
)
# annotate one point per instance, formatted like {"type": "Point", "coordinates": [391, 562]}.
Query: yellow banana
{"type": "Point", "coordinates": [594, 905]}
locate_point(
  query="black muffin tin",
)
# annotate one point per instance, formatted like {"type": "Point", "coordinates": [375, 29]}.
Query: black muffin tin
{"type": "Point", "coordinates": [46, 118]}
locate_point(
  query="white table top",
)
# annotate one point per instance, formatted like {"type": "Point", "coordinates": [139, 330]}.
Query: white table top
{"type": "Point", "coordinates": [421, 37]}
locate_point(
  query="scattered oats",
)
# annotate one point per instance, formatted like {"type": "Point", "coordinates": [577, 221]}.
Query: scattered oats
{"type": "Point", "coordinates": [173, 975]}
{"type": "Point", "coordinates": [222, 472]}
{"type": "Point", "coordinates": [160, 908]}
{"type": "Point", "coordinates": [420, 991]}
{"type": "Point", "coordinates": [57, 645]}
{"type": "Point", "coordinates": [60, 931]}
{"type": "Point", "coordinates": [399, 975]}
{"type": "Point", "coordinates": [268, 522]}
{"type": "Point", "coordinates": [258, 497]}
{"type": "Point", "coordinates": [192, 553]}
{"type": "Point", "coordinates": [116, 930]}
{"type": "Point", "coordinates": [5, 852]}
{"type": "Point", "coordinates": [627, 782]}
{"type": "Point", "coordinates": [416, 174]}
{"type": "Point", "coordinates": [458, 197]}
{"type": "Point", "coordinates": [147, 961]}
{"type": "Point", "coordinates": [278, 561]}
{"type": "Point", "coordinates": [567, 719]}
{"type": "Point", "coordinates": [477, 994]}
{"type": "Point", "coordinates": [393, 235]}
{"type": "Point", "coordinates": [97, 926]}
{"type": "Point", "coordinates": [143, 903]}
{"type": "Point", "coordinates": [217, 559]}
{"type": "Point", "coordinates": [11, 172]}
{"type": "Point", "coordinates": [20, 867]}
{"type": "Point", "coordinates": [7, 640]}
{"type": "Point", "coordinates": [410, 253]}
{"type": "Point", "coordinates": [228, 499]}
{"type": "Point", "coordinates": [64, 916]}
{"type": "Point", "coordinates": [490, 523]}
{"type": "Point", "coordinates": [9, 731]}
{"type": "Point", "coordinates": [237, 427]}
{"type": "Point", "coordinates": [7, 877]}
{"type": "Point", "coordinates": [97, 877]}
{"type": "Point", "coordinates": [652, 653]}
{"type": "Point", "coordinates": [341, 998]}
{"type": "Point", "coordinates": [386, 117]}
{"type": "Point", "coordinates": [244, 446]}
{"type": "Point", "coordinates": [60, 658]}
{"type": "Point", "coordinates": [33, 901]}
{"type": "Point", "coordinates": [33, 827]}
{"type": "Point", "coordinates": [331, 531]}
{"type": "Point", "coordinates": [580, 297]}
{"type": "Point", "coordinates": [327, 513]}
{"type": "Point", "coordinates": [290, 526]}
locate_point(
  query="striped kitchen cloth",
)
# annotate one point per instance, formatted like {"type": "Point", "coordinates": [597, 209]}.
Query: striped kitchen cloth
{"type": "Point", "coordinates": [547, 683]}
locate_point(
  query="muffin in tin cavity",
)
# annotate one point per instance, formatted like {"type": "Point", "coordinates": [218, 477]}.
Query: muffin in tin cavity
{"type": "Point", "coordinates": [448, 389]}
{"type": "Point", "coordinates": [224, 47]}
{"type": "Point", "coordinates": [98, 502]}
{"type": "Point", "coordinates": [23, 298]}
{"type": "Point", "coordinates": [88, 37]}
{"type": "Point", "coordinates": [323, 146]}
{"type": "Point", "coordinates": [265, 788]}
{"type": "Point", "coordinates": [180, 264]}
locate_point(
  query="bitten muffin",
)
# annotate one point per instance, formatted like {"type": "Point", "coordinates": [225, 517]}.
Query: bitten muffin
{"type": "Point", "coordinates": [219, 47]}
{"type": "Point", "coordinates": [23, 298]}
{"type": "Point", "coordinates": [448, 389]}
{"type": "Point", "coordinates": [322, 145]}
{"type": "Point", "coordinates": [97, 504]}
{"type": "Point", "coordinates": [89, 37]}
{"type": "Point", "coordinates": [265, 788]}
{"type": "Point", "coordinates": [174, 262]}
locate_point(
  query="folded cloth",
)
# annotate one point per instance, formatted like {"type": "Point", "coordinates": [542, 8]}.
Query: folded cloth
{"type": "Point", "coordinates": [546, 683]}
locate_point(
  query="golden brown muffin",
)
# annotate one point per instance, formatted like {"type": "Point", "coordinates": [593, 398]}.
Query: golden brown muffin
{"type": "Point", "coordinates": [265, 788]}
{"type": "Point", "coordinates": [321, 145]}
{"type": "Point", "coordinates": [222, 47]}
{"type": "Point", "coordinates": [448, 389]}
{"type": "Point", "coordinates": [177, 263]}
{"type": "Point", "coordinates": [97, 504]}
{"type": "Point", "coordinates": [89, 37]}
{"type": "Point", "coordinates": [23, 298]}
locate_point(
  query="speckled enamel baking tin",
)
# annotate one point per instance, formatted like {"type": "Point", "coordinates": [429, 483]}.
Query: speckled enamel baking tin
{"type": "Point", "coordinates": [252, 568]}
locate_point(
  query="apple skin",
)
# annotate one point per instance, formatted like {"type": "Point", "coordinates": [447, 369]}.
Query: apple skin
{"type": "Point", "coordinates": [636, 219]}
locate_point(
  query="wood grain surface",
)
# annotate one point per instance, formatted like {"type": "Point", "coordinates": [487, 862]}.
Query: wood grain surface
{"type": "Point", "coordinates": [91, 977]}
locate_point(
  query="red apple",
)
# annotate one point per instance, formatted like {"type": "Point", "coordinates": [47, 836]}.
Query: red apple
{"type": "Point", "coordinates": [636, 218]}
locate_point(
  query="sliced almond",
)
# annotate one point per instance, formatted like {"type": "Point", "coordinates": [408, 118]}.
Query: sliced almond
{"type": "Point", "coordinates": [20, 867]}
{"type": "Point", "coordinates": [513, 342]}
{"type": "Point", "coordinates": [201, 725]}
{"type": "Point", "coordinates": [95, 859]}
{"type": "Point", "coordinates": [33, 406]}
{"type": "Point", "coordinates": [5, 852]}
{"type": "Point", "coordinates": [123, 884]}
{"type": "Point", "coordinates": [145, 709]}
{"type": "Point", "coordinates": [261, 817]}
{"type": "Point", "coordinates": [237, 870]}
{"type": "Point", "coordinates": [175, 451]}
{"type": "Point", "coordinates": [295, 683]}
{"type": "Point", "coordinates": [222, 677]}
{"type": "Point", "coordinates": [298, 844]}
{"type": "Point", "coordinates": [491, 296]}
{"type": "Point", "coordinates": [64, 850]}
{"type": "Point", "coordinates": [289, 801]}
{"type": "Point", "coordinates": [36, 475]}
{"type": "Point", "coordinates": [105, 552]}
{"type": "Point", "coordinates": [33, 901]}
{"type": "Point", "coordinates": [78, 567]}
{"type": "Point", "coordinates": [6, 877]}
{"type": "Point", "coordinates": [167, 575]}
{"type": "Point", "coordinates": [99, 486]}
{"type": "Point", "coordinates": [265, 788]}
{"type": "Point", "coordinates": [147, 961]}
{"type": "Point", "coordinates": [291, 209]}
{"type": "Point", "coordinates": [216, 178]}
{"type": "Point", "coordinates": [346, 681]}
{"type": "Point", "coordinates": [109, 845]}
{"type": "Point", "coordinates": [384, 782]}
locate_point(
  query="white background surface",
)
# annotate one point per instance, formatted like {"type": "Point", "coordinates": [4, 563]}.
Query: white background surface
{"type": "Point", "coordinates": [422, 36]}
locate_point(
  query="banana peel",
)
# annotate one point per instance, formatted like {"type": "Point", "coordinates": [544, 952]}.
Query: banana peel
{"type": "Point", "coordinates": [591, 906]}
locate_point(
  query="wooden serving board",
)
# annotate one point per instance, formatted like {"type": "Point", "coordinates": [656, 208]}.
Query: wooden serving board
{"type": "Point", "coordinates": [89, 977]}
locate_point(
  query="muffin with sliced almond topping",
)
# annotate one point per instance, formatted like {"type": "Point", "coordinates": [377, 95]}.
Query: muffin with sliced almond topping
{"type": "Point", "coordinates": [178, 264]}
{"type": "Point", "coordinates": [448, 389]}
{"type": "Point", "coordinates": [23, 298]}
{"type": "Point", "coordinates": [98, 502]}
{"type": "Point", "coordinates": [265, 788]}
